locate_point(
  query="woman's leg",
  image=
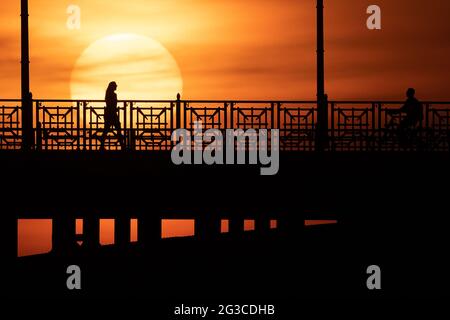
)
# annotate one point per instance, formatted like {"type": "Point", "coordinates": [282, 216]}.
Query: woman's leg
{"type": "Point", "coordinates": [105, 133]}
{"type": "Point", "coordinates": [118, 127]}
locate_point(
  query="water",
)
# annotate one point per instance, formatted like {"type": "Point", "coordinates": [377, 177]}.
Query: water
{"type": "Point", "coordinates": [35, 235]}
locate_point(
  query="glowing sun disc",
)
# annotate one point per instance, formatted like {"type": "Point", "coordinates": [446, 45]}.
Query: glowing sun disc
{"type": "Point", "coordinates": [142, 67]}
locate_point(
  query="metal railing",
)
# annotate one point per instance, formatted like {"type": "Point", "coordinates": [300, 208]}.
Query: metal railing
{"type": "Point", "coordinates": [148, 125]}
{"type": "Point", "coordinates": [10, 124]}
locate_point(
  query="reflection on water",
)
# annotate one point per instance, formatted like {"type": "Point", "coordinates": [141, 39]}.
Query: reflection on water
{"type": "Point", "coordinates": [106, 231]}
{"type": "Point", "coordinates": [249, 225]}
{"type": "Point", "coordinates": [273, 224]}
{"type": "Point", "coordinates": [134, 230]}
{"type": "Point", "coordinates": [35, 235]}
{"type": "Point", "coordinates": [78, 226]}
{"type": "Point", "coordinates": [319, 222]}
{"type": "Point", "coordinates": [224, 226]}
{"type": "Point", "coordinates": [177, 228]}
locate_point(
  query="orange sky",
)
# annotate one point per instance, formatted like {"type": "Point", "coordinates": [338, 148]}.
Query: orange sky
{"type": "Point", "coordinates": [253, 49]}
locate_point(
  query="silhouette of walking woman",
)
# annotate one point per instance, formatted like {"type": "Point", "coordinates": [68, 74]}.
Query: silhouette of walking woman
{"type": "Point", "coordinates": [111, 116]}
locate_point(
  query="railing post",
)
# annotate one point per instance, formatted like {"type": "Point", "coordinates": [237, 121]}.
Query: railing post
{"type": "Point", "coordinates": [36, 109]}
{"type": "Point", "coordinates": [322, 124]}
{"type": "Point", "coordinates": [38, 136]}
{"type": "Point", "coordinates": [131, 130]}
{"type": "Point", "coordinates": [278, 110]}
{"type": "Point", "coordinates": [225, 127]}
{"type": "Point", "coordinates": [333, 124]}
{"type": "Point", "coordinates": [379, 131]}
{"type": "Point", "coordinates": [185, 123]}
{"type": "Point", "coordinates": [272, 116]}
{"type": "Point", "coordinates": [27, 123]}
{"type": "Point", "coordinates": [225, 117]}
{"type": "Point", "coordinates": [172, 124]}
{"type": "Point", "coordinates": [425, 128]}
{"type": "Point", "coordinates": [78, 126]}
{"type": "Point", "coordinates": [84, 127]}
{"type": "Point", "coordinates": [126, 131]}
{"type": "Point", "coordinates": [371, 135]}
{"type": "Point", "coordinates": [232, 115]}
{"type": "Point", "coordinates": [38, 127]}
{"type": "Point", "coordinates": [178, 112]}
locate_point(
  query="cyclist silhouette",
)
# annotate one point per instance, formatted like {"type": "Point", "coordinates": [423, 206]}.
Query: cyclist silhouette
{"type": "Point", "coordinates": [413, 115]}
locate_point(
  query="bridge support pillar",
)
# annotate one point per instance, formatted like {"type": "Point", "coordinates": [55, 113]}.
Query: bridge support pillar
{"type": "Point", "coordinates": [122, 231]}
{"type": "Point", "coordinates": [9, 249]}
{"type": "Point", "coordinates": [63, 234]}
{"type": "Point", "coordinates": [262, 225]}
{"type": "Point", "coordinates": [236, 226]}
{"type": "Point", "coordinates": [149, 231]}
{"type": "Point", "coordinates": [207, 227]}
{"type": "Point", "coordinates": [8, 237]}
{"type": "Point", "coordinates": [291, 226]}
{"type": "Point", "coordinates": [91, 229]}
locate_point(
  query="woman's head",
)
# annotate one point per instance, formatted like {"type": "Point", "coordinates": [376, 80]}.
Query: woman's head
{"type": "Point", "coordinates": [112, 86]}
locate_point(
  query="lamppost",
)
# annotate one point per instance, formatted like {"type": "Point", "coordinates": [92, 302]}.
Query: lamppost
{"type": "Point", "coordinates": [27, 109]}
{"type": "Point", "coordinates": [322, 100]}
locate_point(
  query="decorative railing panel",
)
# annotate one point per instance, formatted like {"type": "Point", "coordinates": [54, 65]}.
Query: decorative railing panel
{"type": "Point", "coordinates": [251, 117]}
{"type": "Point", "coordinates": [352, 126]}
{"type": "Point", "coordinates": [148, 125]}
{"type": "Point", "coordinates": [151, 125]}
{"type": "Point", "coordinates": [58, 125]}
{"type": "Point", "coordinates": [297, 124]}
{"type": "Point", "coordinates": [438, 126]}
{"type": "Point", "coordinates": [10, 124]}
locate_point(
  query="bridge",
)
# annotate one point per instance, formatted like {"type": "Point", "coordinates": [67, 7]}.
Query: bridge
{"type": "Point", "coordinates": [65, 156]}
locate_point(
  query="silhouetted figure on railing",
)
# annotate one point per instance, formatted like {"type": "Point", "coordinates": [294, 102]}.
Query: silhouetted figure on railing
{"type": "Point", "coordinates": [411, 115]}
{"type": "Point", "coordinates": [111, 115]}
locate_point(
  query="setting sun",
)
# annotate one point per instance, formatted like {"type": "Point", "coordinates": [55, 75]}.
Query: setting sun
{"type": "Point", "coordinates": [142, 67]}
